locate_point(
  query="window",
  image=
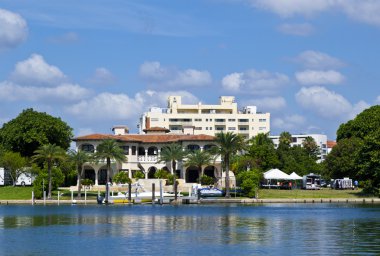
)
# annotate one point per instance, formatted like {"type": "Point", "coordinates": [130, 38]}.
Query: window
{"type": "Point", "coordinates": [125, 149]}
{"type": "Point", "coordinates": [133, 150]}
{"type": "Point", "coordinates": [198, 120]}
{"type": "Point", "coordinates": [88, 148]}
{"type": "Point", "coordinates": [220, 120]}
{"type": "Point", "coordinates": [198, 128]}
{"type": "Point", "coordinates": [262, 128]}
{"type": "Point", "coordinates": [243, 120]}
{"type": "Point", "coordinates": [231, 120]}
{"type": "Point", "coordinates": [231, 128]}
{"type": "Point", "coordinates": [210, 128]}
{"type": "Point", "coordinates": [154, 119]}
{"type": "Point", "coordinates": [253, 120]}
{"type": "Point", "coordinates": [207, 128]}
{"type": "Point", "coordinates": [262, 120]}
{"type": "Point", "coordinates": [243, 128]}
{"type": "Point", "coordinates": [219, 128]}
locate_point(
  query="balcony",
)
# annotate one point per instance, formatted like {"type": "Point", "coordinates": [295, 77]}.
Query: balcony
{"type": "Point", "coordinates": [147, 159]}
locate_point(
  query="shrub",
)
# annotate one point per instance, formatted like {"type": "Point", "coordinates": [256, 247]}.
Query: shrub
{"type": "Point", "coordinates": [57, 179]}
{"type": "Point", "coordinates": [170, 179]}
{"type": "Point", "coordinates": [161, 174]}
{"type": "Point", "coordinates": [139, 175]}
{"type": "Point", "coordinates": [122, 178]}
{"type": "Point", "coordinates": [206, 180]}
{"type": "Point", "coordinates": [86, 182]}
{"type": "Point", "coordinates": [249, 182]}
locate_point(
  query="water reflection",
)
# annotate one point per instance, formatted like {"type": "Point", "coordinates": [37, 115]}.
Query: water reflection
{"type": "Point", "coordinates": [305, 229]}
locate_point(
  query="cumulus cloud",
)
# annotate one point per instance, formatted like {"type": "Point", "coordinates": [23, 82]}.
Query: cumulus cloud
{"type": "Point", "coordinates": [366, 11]}
{"type": "Point", "coordinates": [318, 77]}
{"type": "Point", "coordinates": [328, 104]}
{"type": "Point", "coordinates": [255, 82]}
{"type": "Point", "coordinates": [120, 107]}
{"type": "Point", "coordinates": [102, 76]}
{"type": "Point", "coordinates": [296, 29]}
{"type": "Point", "coordinates": [267, 103]}
{"type": "Point", "coordinates": [35, 71]}
{"type": "Point", "coordinates": [13, 29]}
{"type": "Point", "coordinates": [63, 92]}
{"type": "Point", "coordinates": [289, 122]}
{"type": "Point", "coordinates": [318, 60]}
{"type": "Point", "coordinates": [158, 75]}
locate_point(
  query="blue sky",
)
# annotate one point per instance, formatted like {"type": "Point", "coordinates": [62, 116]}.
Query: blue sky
{"type": "Point", "coordinates": [96, 64]}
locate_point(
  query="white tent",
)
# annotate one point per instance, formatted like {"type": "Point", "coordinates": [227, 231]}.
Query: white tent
{"type": "Point", "coordinates": [276, 174]}
{"type": "Point", "coordinates": [295, 176]}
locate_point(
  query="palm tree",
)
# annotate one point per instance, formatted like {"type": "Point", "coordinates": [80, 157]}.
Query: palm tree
{"type": "Point", "coordinates": [199, 159]}
{"type": "Point", "coordinates": [310, 146]}
{"type": "Point", "coordinates": [229, 144]}
{"type": "Point", "coordinates": [285, 139]}
{"type": "Point", "coordinates": [109, 149]}
{"type": "Point", "coordinates": [49, 153]}
{"type": "Point", "coordinates": [172, 153]}
{"type": "Point", "coordinates": [79, 158]}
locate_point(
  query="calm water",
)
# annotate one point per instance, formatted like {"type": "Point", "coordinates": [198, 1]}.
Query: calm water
{"type": "Point", "coordinates": [273, 229]}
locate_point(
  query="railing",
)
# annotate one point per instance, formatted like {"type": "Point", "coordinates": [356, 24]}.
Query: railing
{"type": "Point", "coordinates": [147, 159]}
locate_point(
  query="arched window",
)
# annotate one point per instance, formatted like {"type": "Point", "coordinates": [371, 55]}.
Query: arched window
{"type": "Point", "coordinates": [193, 147]}
{"type": "Point", "coordinates": [88, 148]}
{"type": "Point", "coordinates": [209, 146]}
{"type": "Point", "coordinates": [152, 151]}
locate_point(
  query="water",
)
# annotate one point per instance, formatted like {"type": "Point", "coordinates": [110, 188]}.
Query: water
{"type": "Point", "coordinates": [272, 229]}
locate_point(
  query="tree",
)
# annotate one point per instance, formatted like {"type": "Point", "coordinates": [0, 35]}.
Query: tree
{"type": "Point", "coordinates": [285, 139]}
{"type": "Point", "coordinates": [49, 154]}
{"type": "Point", "coordinates": [262, 153]}
{"type": "Point", "coordinates": [311, 147]}
{"type": "Point", "coordinates": [78, 158]}
{"type": "Point", "coordinates": [199, 159]}
{"type": "Point", "coordinates": [229, 144]}
{"type": "Point", "coordinates": [32, 129]}
{"type": "Point", "coordinates": [172, 153]}
{"type": "Point", "coordinates": [110, 150]}
{"type": "Point", "coordinates": [122, 178]}
{"type": "Point", "coordinates": [249, 181]}
{"type": "Point", "coordinates": [15, 163]}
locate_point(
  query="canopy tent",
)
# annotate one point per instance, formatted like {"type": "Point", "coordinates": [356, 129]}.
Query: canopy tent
{"type": "Point", "coordinates": [276, 174]}
{"type": "Point", "coordinates": [295, 176]}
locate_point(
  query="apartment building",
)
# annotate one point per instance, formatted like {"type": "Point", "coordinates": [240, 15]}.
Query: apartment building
{"type": "Point", "coordinates": [297, 140]}
{"type": "Point", "coordinates": [206, 119]}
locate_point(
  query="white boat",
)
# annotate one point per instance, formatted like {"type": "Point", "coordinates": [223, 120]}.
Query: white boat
{"type": "Point", "coordinates": [210, 192]}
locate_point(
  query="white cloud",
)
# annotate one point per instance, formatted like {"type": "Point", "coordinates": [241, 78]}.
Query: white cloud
{"type": "Point", "coordinates": [102, 76]}
{"type": "Point", "coordinates": [328, 104]}
{"type": "Point", "coordinates": [158, 75]}
{"type": "Point", "coordinates": [318, 60]}
{"type": "Point", "coordinates": [297, 29]}
{"type": "Point", "coordinates": [35, 71]}
{"type": "Point", "coordinates": [289, 122]}
{"type": "Point", "coordinates": [318, 77]}
{"type": "Point", "coordinates": [64, 92]}
{"type": "Point", "coordinates": [267, 104]}
{"type": "Point", "coordinates": [255, 82]}
{"type": "Point", "coordinates": [286, 8]}
{"type": "Point", "coordinates": [377, 100]}
{"type": "Point", "coordinates": [120, 107]}
{"type": "Point", "coordinates": [358, 108]}
{"type": "Point", "coordinates": [366, 11]}
{"type": "Point", "coordinates": [13, 29]}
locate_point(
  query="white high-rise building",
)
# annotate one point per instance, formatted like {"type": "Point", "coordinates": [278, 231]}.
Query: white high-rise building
{"type": "Point", "coordinates": [206, 119]}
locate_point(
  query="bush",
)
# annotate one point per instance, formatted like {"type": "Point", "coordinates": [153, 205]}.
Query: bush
{"type": "Point", "coordinates": [368, 188]}
{"type": "Point", "coordinates": [122, 178]}
{"type": "Point", "coordinates": [139, 175]}
{"type": "Point", "coordinates": [161, 174]}
{"type": "Point", "coordinates": [57, 179]}
{"type": "Point", "coordinates": [206, 180]}
{"type": "Point", "coordinates": [170, 179]}
{"type": "Point", "coordinates": [249, 182]}
{"type": "Point", "coordinates": [86, 182]}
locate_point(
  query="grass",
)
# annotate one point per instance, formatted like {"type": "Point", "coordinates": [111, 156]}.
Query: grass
{"type": "Point", "coordinates": [300, 193]}
{"type": "Point", "coordinates": [15, 193]}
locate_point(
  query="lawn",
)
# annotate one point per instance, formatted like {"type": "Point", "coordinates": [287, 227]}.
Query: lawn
{"type": "Point", "coordinates": [300, 193]}
{"type": "Point", "coordinates": [15, 193]}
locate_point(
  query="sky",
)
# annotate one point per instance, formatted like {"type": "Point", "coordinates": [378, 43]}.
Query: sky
{"type": "Point", "coordinates": [96, 64]}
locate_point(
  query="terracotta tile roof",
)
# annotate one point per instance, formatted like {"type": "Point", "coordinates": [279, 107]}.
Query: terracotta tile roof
{"type": "Point", "coordinates": [331, 144]}
{"type": "Point", "coordinates": [147, 138]}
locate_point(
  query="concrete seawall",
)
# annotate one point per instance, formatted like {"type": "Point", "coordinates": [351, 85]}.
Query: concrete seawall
{"type": "Point", "coordinates": [214, 201]}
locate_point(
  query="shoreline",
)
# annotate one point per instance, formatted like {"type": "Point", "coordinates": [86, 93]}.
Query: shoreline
{"type": "Point", "coordinates": [211, 201]}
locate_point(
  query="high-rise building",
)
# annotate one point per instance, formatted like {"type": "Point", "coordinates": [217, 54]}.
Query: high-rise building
{"type": "Point", "coordinates": [206, 119]}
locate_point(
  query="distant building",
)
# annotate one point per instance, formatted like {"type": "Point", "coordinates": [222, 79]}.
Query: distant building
{"type": "Point", "coordinates": [330, 145]}
{"type": "Point", "coordinates": [297, 140]}
{"type": "Point", "coordinates": [180, 118]}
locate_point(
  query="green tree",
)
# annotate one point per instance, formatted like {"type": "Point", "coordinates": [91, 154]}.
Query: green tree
{"type": "Point", "coordinates": [342, 160]}
{"type": "Point", "coordinates": [32, 129]}
{"type": "Point", "coordinates": [172, 153]}
{"type": "Point", "coordinates": [262, 153]}
{"type": "Point", "coordinates": [285, 139]}
{"type": "Point", "coordinates": [311, 147]}
{"type": "Point", "coordinates": [199, 159]}
{"type": "Point", "coordinates": [229, 144]}
{"type": "Point", "coordinates": [79, 158]}
{"type": "Point", "coordinates": [161, 174]}
{"type": "Point", "coordinates": [110, 150]}
{"type": "Point", "coordinates": [39, 184]}
{"type": "Point", "coordinates": [249, 181]}
{"type": "Point", "coordinates": [15, 163]}
{"type": "Point", "coordinates": [122, 178]}
{"type": "Point", "coordinates": [49, 154]}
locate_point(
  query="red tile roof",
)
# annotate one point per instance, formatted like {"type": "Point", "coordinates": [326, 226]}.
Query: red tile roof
{"type": "Point", "coordinates": [147, 138]}
{"type": "Point", "coordinates": [331, 144]}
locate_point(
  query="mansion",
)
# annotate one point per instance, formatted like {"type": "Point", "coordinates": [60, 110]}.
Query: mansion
{"type": "Point", "coordinates": [143, 151]}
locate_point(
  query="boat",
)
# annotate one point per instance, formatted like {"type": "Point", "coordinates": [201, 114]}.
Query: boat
{"type": "Point", "coordinates": [210, 192]}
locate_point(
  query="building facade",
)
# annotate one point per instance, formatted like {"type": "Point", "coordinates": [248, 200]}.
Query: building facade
{"type": "Point", "coordinates": [206, 119]}
{"type": "Point", "coordinates": [143, 152]}
{"type": "Point", "coordinates": [297, 140]}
